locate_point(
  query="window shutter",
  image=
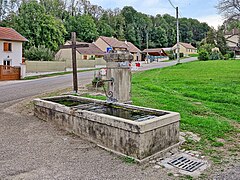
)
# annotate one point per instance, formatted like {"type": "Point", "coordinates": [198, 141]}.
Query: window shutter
{"type": "Point", "coordinates": [5, 46]}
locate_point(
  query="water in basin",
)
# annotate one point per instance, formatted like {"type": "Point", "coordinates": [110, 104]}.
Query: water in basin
{"type": "Point", "coordinates": [110, 109]}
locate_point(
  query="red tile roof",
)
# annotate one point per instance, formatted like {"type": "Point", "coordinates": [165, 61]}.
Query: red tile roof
{"type": "Point", "coordinates": [10, 34]}
{"type": "Point", "coordinates": [234, 31]}
{"type": "Point", "coordinates": [188, 46]}
{"type": "Point", "coordinates": [91, 50]}
{"type": "Point", "coordinates": [113, 42]}
{"type": "Point", "coordinates": [132, 47]}
{"type": "Point", "coordinates": [155, 52]}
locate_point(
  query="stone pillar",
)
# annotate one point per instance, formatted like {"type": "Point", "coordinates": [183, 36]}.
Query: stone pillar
{"type": "Point", "coordinates": [119, 71]}
{"type": "Point", "coordinates": [23, 70]}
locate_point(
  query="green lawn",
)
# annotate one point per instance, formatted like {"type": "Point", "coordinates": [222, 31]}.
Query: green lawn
{"type": "Point", "coordinates": [193, 55]}
{"type": "Point", "coordinates": [205, 93]}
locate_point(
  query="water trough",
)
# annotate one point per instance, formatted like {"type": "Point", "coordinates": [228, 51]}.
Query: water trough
{"type": "Point", "coordinates": [124, 129]}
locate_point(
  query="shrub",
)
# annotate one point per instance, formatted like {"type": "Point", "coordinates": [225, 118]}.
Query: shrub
{"type": "Point", "coordinates": [227, 56]}
{"type": "Point", "coordinates": [207, 47]}
{"type": "Point", "coordinates": [181, 55]}
{"type": "Point", "coordinates": [170, 55]}
{"type": "Point", "coordinates": [203, 55]}
{"type": "Point", "coordinates": [40, 53]}
{"type": "Point", "coordinates": [231, 54]}
{"type": "Point", "coordinates": [215, 55]}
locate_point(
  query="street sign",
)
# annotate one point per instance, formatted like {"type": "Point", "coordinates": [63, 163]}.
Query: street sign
{"type": "Point", "coordinates": [109, 49]}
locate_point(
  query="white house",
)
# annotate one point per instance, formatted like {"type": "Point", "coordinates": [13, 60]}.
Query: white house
{"type": "Point", "coordinates": [11, 47]}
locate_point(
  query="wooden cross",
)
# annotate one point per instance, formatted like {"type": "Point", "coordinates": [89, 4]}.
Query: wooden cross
{"type": "Point", "coordinates": [74, 46]}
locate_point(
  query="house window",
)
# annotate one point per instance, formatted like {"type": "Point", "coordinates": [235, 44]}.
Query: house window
{"type": "Point", "coordinates": [7, 46]}
{"type": "Point", "coordinates": [7, 62]}
{"type": "Point", "coordinates": [85, 57]}
{"type": "Point", "coordinates": [92, 58]}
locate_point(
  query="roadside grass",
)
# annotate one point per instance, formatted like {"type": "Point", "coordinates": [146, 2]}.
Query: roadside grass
{"type": "Point", "coordinates": [54, 74]}
{"type": "Point", "coordinates": [193, 55]}
{"type": "Point", "coordinates": [205, 93]}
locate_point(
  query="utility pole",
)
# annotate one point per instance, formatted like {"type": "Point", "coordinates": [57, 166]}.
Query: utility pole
{"type": "Point", "coordinates": [147, 45]}
{"type": "Point", "coordinates": [178, 47]}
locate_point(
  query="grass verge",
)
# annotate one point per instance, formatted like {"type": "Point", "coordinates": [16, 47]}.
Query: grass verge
{"type": "Point", "coordinates": [206, 94]}
{"type": "Point", "coordinates": [54, 74]}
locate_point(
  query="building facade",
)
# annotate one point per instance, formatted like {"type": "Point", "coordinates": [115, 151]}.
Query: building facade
{"type": "Point", "coordinates": [106, 42]}
{"type": "Point", "coordinates": [185, 48]}
{"type": "Point", "coordinates": [10, 47]}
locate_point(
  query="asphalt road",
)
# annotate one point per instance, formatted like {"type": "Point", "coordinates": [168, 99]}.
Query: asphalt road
{"type": "Point", "coordinates": [15, 90]}
{"type": "Point", "coordinates": [22, 89]}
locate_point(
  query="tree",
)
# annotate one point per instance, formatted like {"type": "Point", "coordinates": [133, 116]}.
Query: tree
{"type": "Point", "coordinates": [211, 37]}
{"type": "Point", "coordinates": [169, 29]}
{"type": "Point", "coordinates": [216, 38]}
{"type": "Point", "coordinates": [7, 7]}
{"type": "Point", "coordinates": [39, 28]}
{"type": "Point", "coordinates": [221, 42]}
{"type": "Point", "coordinates": [43, 25]}
{"type": "Point", "coordinates": [230, 9]}
{"type": "Point", "coordinates": [55, 8]}
{"type": "Point", "coordinates": [3, 9]}
{"type": "Point", "coordinates": [84, 26]}
{"type": "Point", "coordinates": [159, 37]}
{"type": "Point", "coordinates": [104, 29]}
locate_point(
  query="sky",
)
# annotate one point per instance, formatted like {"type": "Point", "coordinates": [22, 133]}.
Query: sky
{"type": "Point", "coordinates": [203, 10]}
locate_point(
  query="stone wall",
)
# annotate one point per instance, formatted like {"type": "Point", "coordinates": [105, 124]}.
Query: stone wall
{"type": "Point", "coordinates": [52, 66]}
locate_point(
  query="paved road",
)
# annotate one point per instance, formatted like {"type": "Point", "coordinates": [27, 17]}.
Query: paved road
{"type": "Point", "coordinates": [165, 64]}
{"type": "Point", "coordinates": [22, 89]}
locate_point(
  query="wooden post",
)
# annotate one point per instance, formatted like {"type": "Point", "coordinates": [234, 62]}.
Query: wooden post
{"type": "Point", "coordinates": [74, 63]}
{"type": "Point", "coordinates": [74, 47]}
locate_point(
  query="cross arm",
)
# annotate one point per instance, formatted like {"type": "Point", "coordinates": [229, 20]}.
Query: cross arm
{"type": "Point", "coordinates": [72, 46]}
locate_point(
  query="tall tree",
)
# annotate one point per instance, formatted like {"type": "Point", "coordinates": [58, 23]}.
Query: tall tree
{"type": "Point", "coordinates": [221, 41]}
{"type": "Point", "coordinates": [229, 8]}
{"type": "Point", "coordinates": [211, 37]}
{"type": "Point", "coordinates": [159, 37]}
{"type": "Point", "coordinates": [84, 26]}
{"type": "Point", "coordinates": [3, 9]}
{"type": "Point", "coordinates": [55, 8]}
{"type": "Point", "coordinates": [38, 27]}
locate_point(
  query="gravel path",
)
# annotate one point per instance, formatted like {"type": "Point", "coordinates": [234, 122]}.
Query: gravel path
{"type": "Point", "coordinates": [33, 149]}
{"type": "Point", "coordinates": [233, 173]}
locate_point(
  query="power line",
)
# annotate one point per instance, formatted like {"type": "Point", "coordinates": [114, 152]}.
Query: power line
{"type": "Point", "coordinates": [171, 4]}
{"type": "Point", "coordinates": [177, 13]}
{"type": "Point", "coordinates": [180, 14]}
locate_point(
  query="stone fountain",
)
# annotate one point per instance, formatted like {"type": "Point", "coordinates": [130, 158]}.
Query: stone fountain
{"type": "Point", "coordinates": [124, 129]}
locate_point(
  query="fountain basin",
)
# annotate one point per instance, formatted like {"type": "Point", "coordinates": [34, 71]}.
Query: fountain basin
{"type": "Point", "coordinates": [128, 130]}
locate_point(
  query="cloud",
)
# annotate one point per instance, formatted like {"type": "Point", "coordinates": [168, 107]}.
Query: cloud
{"type": "Point", "coordinates": [212, 20]}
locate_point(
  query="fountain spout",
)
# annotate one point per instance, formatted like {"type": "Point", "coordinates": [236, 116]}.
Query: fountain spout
{"type": "Point", "coordinates": [109, 94]}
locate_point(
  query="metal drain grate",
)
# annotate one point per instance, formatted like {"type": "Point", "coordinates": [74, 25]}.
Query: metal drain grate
{"type": "Point", "coordinates": [186, 164]}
